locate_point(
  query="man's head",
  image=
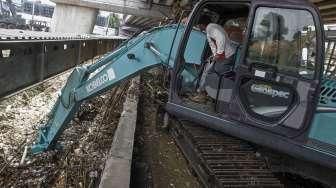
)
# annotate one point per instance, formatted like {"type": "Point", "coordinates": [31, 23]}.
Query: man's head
{"type": "Point", "coordinates": [235, 29]}
{"type": "Point", "coordinates": [204, 22]}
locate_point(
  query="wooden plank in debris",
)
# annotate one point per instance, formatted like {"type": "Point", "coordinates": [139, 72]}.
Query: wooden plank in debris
{"type": "Point", "coordinates": [117, 171]}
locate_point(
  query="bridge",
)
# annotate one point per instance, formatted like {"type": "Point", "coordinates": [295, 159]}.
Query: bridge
{"type": "Point", "coordinates": [327, 9]}
{"type": "Point", "coordinates": [81, 14]}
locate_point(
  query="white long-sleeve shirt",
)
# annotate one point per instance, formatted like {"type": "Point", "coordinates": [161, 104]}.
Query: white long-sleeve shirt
{"type": "Point", "coordinates": [219, 41]}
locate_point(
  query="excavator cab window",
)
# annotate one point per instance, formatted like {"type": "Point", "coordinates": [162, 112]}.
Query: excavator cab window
{"type": "Point", "coordinates": [283, 42]}
{"type": "Point", "coordinates": [277, 80]}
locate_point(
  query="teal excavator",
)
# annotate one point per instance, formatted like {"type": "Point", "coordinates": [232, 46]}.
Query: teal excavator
{"type": "Point", "coordinates": [278, 92]}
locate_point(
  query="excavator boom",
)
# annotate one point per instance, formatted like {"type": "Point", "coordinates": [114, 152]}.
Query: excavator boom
{"type": "Point", "coordinates": [147, 50]}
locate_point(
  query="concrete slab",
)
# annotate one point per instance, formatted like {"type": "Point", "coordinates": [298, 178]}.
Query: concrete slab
{"type": "Point", "coordinates": [117, 171]}
{"type": "Point", "coordinates": [73, 19]}
{"type": "Point", "coordinates": [116, 175]}
{"type": "Point", "coordinates": [139, 8]}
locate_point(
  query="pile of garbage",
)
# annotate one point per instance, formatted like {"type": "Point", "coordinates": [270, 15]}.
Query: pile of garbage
{"type": "Point", "coordinates": [21, 115]}
{"type": "Point", "coordinates": [85, 143]}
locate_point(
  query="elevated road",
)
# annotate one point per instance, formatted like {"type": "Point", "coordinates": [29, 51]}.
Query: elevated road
{"type": "Point", "coordinates": [327, 9]}
{"type": "Point", "coordinates": [82, 14]}
{"type": "Point", "coordinates": [132, 7]}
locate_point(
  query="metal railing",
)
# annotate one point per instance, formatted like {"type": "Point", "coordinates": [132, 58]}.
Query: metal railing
{"type": "Point", "coordinates": [24, 63]}
{"type": "Point", "coordinates": [330, 58]}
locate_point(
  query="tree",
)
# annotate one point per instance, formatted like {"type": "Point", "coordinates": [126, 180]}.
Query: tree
{"type": "Point", "coordinates": [114, 21]}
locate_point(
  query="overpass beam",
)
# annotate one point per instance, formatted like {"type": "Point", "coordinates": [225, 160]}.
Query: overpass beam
{"type": "Point", "coordinates": [133, 7]}
{"type": "Point", "coordinates": [73, 19]}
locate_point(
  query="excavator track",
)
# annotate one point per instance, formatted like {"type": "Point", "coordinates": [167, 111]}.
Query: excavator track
{"type": "Point", "coordinates": [220, 160]}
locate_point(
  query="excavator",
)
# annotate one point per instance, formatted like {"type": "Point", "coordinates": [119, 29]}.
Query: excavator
{"type": "Point", "coordinates": [277, 92]}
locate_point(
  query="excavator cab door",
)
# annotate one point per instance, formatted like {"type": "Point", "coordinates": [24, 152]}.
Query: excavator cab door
{"type": "Point", "coordinates": [277, 79]}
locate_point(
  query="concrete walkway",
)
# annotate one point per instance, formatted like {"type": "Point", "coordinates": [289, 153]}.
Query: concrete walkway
{"type": "Point", "coordinates": [117, 171]}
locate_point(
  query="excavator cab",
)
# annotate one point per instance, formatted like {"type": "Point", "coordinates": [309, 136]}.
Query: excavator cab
{"type": "Point", "coordinates": [273, 80]}
{"type": "Point", "coordinates": [273, 93]}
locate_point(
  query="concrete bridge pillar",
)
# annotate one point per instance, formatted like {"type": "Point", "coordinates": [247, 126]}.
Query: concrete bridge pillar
{"type": "Point", "coordinates": [73, 19]}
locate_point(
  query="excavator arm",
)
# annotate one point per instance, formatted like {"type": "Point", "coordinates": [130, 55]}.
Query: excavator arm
{"type": "Point", "coordinates": [147, 50]}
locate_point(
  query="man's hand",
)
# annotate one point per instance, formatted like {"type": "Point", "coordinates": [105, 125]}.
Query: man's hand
{"type": "Point", "coordinates": [219, 57]}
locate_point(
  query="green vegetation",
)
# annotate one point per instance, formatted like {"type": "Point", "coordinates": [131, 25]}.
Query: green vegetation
{"type": "Point", "coordinates": [113, 21]}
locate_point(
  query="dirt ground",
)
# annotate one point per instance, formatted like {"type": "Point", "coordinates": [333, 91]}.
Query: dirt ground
{"type": "Point", "coordinates": [157, 161]}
